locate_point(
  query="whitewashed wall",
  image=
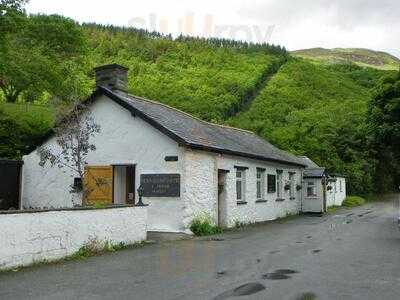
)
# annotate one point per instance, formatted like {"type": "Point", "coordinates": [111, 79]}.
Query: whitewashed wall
{"type": "Point", "coordinates": [253, 211]}
{"type": "Point", "coordinates": [341, 195]}
{"type": "Point", "coordinates": [123, 139]}
{"type": "Point", "coordinates": [201, 193]}
{"type": "Point", "coordinates": [27, 238]}
{"type": "Point", "coordinates": [335, 197]}
{"type": "Point", "coordinates": [330, 194]}
{"type": "Point", "coordinates": [200, 190]}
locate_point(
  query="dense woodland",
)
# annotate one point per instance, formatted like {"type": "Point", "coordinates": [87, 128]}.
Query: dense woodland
{"type": "Point", "coordinates": [343, 116]}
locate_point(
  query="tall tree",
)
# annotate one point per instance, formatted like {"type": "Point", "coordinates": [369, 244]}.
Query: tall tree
{"type": "Point", "coordinates": [38, 53]}
{"type": "Point", "coordinates": [11, 14]}
{"type": "Point", "coordinates": [384, 131]}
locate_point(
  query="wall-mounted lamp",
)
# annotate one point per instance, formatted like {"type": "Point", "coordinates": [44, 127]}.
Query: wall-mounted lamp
{"type": "Point", "coordinates": [140, 191]}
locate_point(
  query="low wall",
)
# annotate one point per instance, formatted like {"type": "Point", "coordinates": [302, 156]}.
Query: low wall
{"type": "Point", "coordinates": [26, 238]}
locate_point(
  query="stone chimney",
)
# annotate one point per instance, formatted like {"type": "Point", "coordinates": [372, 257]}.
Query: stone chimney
{"type": "Point", "coordinates": [113, 77]}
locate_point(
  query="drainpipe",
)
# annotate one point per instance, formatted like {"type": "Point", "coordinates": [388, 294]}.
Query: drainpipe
{"type": "Point", "coordinates": [301, 191]}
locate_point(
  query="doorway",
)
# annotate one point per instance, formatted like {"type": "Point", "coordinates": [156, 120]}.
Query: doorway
{"type": "Point", "coordinates": [130, 185]}
{"type": "Point", "coordinates": [124, 184]}
{"type": "Point", "coordinates": [10, 184]}
{"type": "Point", "coordinates": [222, 207]}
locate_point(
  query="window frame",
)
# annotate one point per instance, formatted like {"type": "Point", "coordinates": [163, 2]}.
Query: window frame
{"type": "Point", "coordinates": [260, 184]}
{"type": "Point", "coordinates": [292, 181]}
{"type": "Point", "coordinates": [279, 184]}
{"type": "Point", "coordinates": [311, 184]}
{"type": "Point", "coordinates": [242, 180]}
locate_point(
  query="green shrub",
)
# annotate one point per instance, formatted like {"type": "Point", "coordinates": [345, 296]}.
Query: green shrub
{"type": "Point", "coordinates": [202, 226]}
{"type": "Point", "coordinates": [20, 131]}
{"type": "Point", "coordinates": [353, 201]}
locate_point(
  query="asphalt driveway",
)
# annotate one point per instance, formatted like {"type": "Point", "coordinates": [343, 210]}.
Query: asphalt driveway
{"type": "Point", "coordinates": [350, 254]}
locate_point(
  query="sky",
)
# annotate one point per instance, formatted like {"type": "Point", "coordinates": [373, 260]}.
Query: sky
{"type": "Point", "coordinates": [301, 24]}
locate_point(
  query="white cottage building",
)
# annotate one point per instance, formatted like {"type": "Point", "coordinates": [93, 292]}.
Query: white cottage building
{"type": "Point", "coordinates": [187, 167]}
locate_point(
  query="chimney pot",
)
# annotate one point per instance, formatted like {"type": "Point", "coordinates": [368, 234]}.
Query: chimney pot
{"type": "Point", "coordinates": [113, 77]}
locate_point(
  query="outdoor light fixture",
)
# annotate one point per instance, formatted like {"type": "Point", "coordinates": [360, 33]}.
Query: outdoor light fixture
{"type": "Point", "coordinates": [140, 191]}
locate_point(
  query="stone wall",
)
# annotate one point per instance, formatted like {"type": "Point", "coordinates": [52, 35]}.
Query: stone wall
{"type": "Point", "coordinates": [27, 238]}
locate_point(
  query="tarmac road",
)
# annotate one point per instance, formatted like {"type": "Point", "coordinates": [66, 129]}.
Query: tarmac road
{"type": "Point", "coordinates": [350, 254]}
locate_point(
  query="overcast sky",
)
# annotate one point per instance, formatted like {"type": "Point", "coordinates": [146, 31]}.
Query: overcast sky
{"type": "Point", "coordinates": [300, 24]}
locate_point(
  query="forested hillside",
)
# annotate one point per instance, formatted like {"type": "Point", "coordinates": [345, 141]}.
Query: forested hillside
{"type": "Point", "coordinates": [315, 111]}
{"type": "Point", "coordinates": [210, 80]}
{"type": "Point", "coordinates": [310, 109]}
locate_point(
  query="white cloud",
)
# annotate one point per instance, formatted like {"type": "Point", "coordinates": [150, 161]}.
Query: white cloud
{"type": "Point", "coordinates": [295, 24]}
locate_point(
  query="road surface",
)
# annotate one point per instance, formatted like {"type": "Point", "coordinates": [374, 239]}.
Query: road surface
{"type": "Point", "coordinates": [350, 254]}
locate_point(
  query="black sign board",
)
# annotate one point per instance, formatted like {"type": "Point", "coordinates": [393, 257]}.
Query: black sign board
{"type": "Point", "coordinates": [161, 185]}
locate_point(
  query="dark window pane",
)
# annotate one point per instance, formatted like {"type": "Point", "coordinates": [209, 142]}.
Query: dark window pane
{"type": "Point", "coordinates": [311, 191]}
{"type": "Point", "coordinates": [271, 183]}
{"type": "Point", "coordinates": [238, 190]}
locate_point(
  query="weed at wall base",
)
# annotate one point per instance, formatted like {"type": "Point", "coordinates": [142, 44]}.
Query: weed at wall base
{"type": "Point", "coordinates": [202, 226]}
{"type": "Point", "coordinates": [92, 248]}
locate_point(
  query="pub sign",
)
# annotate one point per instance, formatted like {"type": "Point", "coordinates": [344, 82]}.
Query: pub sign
{"type": "Point", "coordinates": [161, 185]}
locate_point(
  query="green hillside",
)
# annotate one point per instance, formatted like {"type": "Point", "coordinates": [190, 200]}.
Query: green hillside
{"type": "Point", "coordinates": [206, 79]}
{"type": "Point", "coordinates": [315, 111]}
{"type": "Point", "coordinates": [361, 57]}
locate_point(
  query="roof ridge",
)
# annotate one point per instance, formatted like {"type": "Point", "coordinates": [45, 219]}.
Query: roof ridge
{"type": "Point", "coordinates": [190, 115]}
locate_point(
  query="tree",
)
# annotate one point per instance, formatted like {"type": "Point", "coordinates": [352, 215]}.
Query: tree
{"type": "Point", "coordinates": [12, 15]}
{"type": "Point", "coordinates": [20, 136]}
{"type": "Point", "coordinates": [38, 53]}
{"type": "Point", "coordinates": [384, 132]}
{"type": "Point", "coordinates": [73, 139]}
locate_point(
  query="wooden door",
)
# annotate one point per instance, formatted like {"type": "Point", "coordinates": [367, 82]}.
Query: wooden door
{"type": "Point", "coordinates": [130, 185]}
{"type": "Point", "coordinates": [98, 185]}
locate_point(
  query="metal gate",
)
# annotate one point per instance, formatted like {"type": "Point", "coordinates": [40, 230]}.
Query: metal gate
{"type": "Point", "coordinates": [10, 184]}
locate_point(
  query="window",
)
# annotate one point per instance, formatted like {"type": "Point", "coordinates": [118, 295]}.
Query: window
{"type": "Point", "coordinates": [279, 184]}
{"type": "Point", "coordinates": [292, 181]}
{"type": "Point", "coordinates": [340, 186]}
{"type": "Point", "coordinates": [240, 185]}
{"type": "Point", "coordinates": [260, 183]}
{"type": "Point", "coordinates": [271, 183]}
{"type": "Point", "coordinates": [311, 190]}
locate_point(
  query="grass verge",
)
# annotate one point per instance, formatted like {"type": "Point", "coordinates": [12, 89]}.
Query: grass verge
{"type": "Point", "coordinates": [353, 201]}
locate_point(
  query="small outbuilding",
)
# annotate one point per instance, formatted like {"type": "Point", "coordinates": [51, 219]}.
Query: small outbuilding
{"type": "Point", "coordinates": [320, 189]}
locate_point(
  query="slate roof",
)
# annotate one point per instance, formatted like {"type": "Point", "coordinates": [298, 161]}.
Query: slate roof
{"type": "Point", "coordinates": [308, 162]}
{"type": "Point", "coordinates": [313, 172]}
{"type": "Point", "coordinates": [197, 134]}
